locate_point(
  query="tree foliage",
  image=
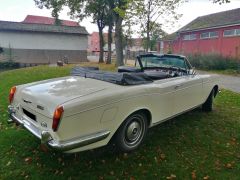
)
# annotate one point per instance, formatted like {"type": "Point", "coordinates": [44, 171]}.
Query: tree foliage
{"type": "Point", "coordinates": [155, 34]}
{"type": "Point", "coordinates": [150, 13]}
{"type": "Point", "coordinates": [55, 5]}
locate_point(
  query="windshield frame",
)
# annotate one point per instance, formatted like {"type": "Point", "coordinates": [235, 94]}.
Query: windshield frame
{"type": "Point", "coordinates": [187, 64]}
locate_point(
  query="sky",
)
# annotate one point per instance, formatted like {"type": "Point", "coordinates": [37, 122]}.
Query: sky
{"type": "Point", "coordinates": [17, 10]}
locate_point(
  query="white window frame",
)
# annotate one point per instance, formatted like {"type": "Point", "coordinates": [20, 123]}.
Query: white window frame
{"type": "Point", "coordinates": [209, 36]}
{"type": "Point", "coordinates": [190, 37]}
{"type": "Point", "coordinates": [236, 32]}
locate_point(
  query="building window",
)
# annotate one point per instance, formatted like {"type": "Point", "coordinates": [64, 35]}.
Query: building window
{"type": "Point", "coordinates": [208, 35]}
{"type": "Point", "coordinates": [231, 32]}
{"type": "Point", "coordinates": [238, 32]}
{"type": "Point", "coordinates": [189, 37]}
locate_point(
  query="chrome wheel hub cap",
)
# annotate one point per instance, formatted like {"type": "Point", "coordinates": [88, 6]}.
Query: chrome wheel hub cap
{"type": "Point", "coordinates": [133, 132]}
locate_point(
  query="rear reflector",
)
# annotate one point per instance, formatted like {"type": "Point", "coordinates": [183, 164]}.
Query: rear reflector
{"type": "Point", "coordinates": [56, 118]}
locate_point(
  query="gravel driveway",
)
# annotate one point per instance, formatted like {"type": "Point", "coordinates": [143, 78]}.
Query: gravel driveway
{"type": "Point", "coordinates": [227, 82]}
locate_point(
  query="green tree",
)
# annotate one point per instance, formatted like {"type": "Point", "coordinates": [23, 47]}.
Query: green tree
{"type": "Point", "coordinates": [148, 13]}
{"type": "Point", "coordinates": [110, 24]}
{"type": "Point", "coordinates": [97, 9]}
{"type": "Point", "coordinates": [80, 9]}
{"type": "Point", "coordinates": [155, 34]}
{"type": "Point", "coordinates": [55, 5]}
{"type": "Point", "coordinates": [120, 8]}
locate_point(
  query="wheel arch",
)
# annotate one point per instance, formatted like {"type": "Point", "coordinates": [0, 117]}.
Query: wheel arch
{"type": "Point", "coordinates": [146, 111]}
{"type": "Point", "coordinates": [215, 89]}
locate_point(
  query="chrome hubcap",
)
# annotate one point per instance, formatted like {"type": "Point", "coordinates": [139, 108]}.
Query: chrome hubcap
{"type": "Point", "coordinates": [134, 131]}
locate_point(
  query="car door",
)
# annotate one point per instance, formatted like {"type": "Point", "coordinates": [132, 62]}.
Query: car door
{"type": "Point", "coordinates": [161, 98]}
{"type": "Point", "coordinates": [188, 93]}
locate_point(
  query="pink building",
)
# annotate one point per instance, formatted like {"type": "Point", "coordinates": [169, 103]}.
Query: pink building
{"type": "Point", "coordinates": [47, 20]}
{"type": "Point", "coordinates": [217, 33]}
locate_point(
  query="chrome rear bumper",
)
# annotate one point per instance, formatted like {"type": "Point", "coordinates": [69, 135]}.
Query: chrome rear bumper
{"type": "Point", "coordinates": [48, 140]}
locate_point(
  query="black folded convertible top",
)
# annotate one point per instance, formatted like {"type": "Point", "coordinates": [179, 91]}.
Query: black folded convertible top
{"type": "Point", "coordinates": [112, 77]}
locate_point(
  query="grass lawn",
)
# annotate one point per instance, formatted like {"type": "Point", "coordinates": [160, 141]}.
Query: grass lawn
{"type": "Point", "coordinates": [195, 145]}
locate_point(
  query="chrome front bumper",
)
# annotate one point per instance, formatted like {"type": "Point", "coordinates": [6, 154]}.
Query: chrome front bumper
{"type": "Point", "coordinates": [48, 140]}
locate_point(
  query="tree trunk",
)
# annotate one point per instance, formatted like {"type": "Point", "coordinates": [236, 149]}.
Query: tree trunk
{"type": "Point", "coordinates": [118, 40]}
{"type": "Point", "coordinates": [101, 43]}
{"type": "Point", "coordinates": [148, 41]}
{"type": "Point", "coordinates": [109, 56]}
{"type": "Point", "coordinates": [148, 24]}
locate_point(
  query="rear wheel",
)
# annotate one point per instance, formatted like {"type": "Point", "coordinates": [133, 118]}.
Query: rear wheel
{"type": "Point", "coordinates": [132, 132]}
{"type": "Point", "coordinates": [208, 105]}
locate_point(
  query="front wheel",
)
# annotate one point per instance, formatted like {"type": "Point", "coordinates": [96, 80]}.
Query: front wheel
{"type": "Point", "coordinates": [132, 132]}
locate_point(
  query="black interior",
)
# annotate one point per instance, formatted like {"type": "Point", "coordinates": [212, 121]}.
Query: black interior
{"type": "Point", "coordinates": [154, 74]}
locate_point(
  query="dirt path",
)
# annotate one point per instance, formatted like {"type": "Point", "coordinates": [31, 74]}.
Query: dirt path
{"type": "Point", "coordinates": [227, 82]}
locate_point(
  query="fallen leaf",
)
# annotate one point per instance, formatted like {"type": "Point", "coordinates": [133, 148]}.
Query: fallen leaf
{"type": "Point", "coordinates": [206, 177]}
{"type": "Point", "coordinates": [172, 176]}
{"type": "Point", "coordinates": [8, 164]}
{"type": "Point", "coordinates": [229, 165]}
{"type": "Point", "coordinates": [28, 160]}
{"type": "Point", "coordinates": [162, 156]}
{"type": "Point", "coordinates": [194, 176]}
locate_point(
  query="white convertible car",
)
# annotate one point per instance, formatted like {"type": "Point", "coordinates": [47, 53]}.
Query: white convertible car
{"type": "Point", "coordinates": [89, 108]}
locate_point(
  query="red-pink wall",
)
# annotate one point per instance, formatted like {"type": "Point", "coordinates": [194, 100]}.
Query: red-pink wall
{"type": "Point", "coordinates": [94, 42]}
{"type": "Point", "coordinates": [226, 46]}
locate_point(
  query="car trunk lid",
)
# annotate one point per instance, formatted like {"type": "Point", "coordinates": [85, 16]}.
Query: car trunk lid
{"type": "Point", "coordinates": [43, 97]}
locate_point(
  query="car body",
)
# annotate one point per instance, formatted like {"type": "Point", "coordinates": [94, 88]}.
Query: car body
{"type": "Point", "coordinates": [77, 113]}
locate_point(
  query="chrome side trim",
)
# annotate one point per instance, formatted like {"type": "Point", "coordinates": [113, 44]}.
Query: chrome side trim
{"type": "Point", "coordinates": [80, 142]}
{"type": "Point", "coordinates": [47, 139]}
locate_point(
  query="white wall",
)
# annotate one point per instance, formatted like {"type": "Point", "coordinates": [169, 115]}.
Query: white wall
{"type": "Point", "coordinates": [44, 41]}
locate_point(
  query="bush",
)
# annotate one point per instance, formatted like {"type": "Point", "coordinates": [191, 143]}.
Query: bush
{"type": "Point", "coordinates": [9, 65]}
{"type": "Point", "coordinates": [213, 62]}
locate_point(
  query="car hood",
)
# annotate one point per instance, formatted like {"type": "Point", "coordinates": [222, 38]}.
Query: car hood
{"type": "Point", "coordinates": [45, 96]}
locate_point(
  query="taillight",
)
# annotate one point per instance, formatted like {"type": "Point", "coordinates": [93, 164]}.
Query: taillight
{"type": "Point", "coordinates": [11, 94]}
{"type": "Point", "coordinates": [57, 117]}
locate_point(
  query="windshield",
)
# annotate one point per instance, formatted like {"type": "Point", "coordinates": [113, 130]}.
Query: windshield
{"type": "Point", "coordinates": [163, 61]}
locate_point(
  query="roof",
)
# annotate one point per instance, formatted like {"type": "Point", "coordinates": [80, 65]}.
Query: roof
{"type": "Point", "coordinates": [225, 18]}
{"type": "Point", "coordinates": [170, 37]}
{"type": "Point", "coordinates": [47, 20]}
{"type": "Point", "coordinates": [19, 26]}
